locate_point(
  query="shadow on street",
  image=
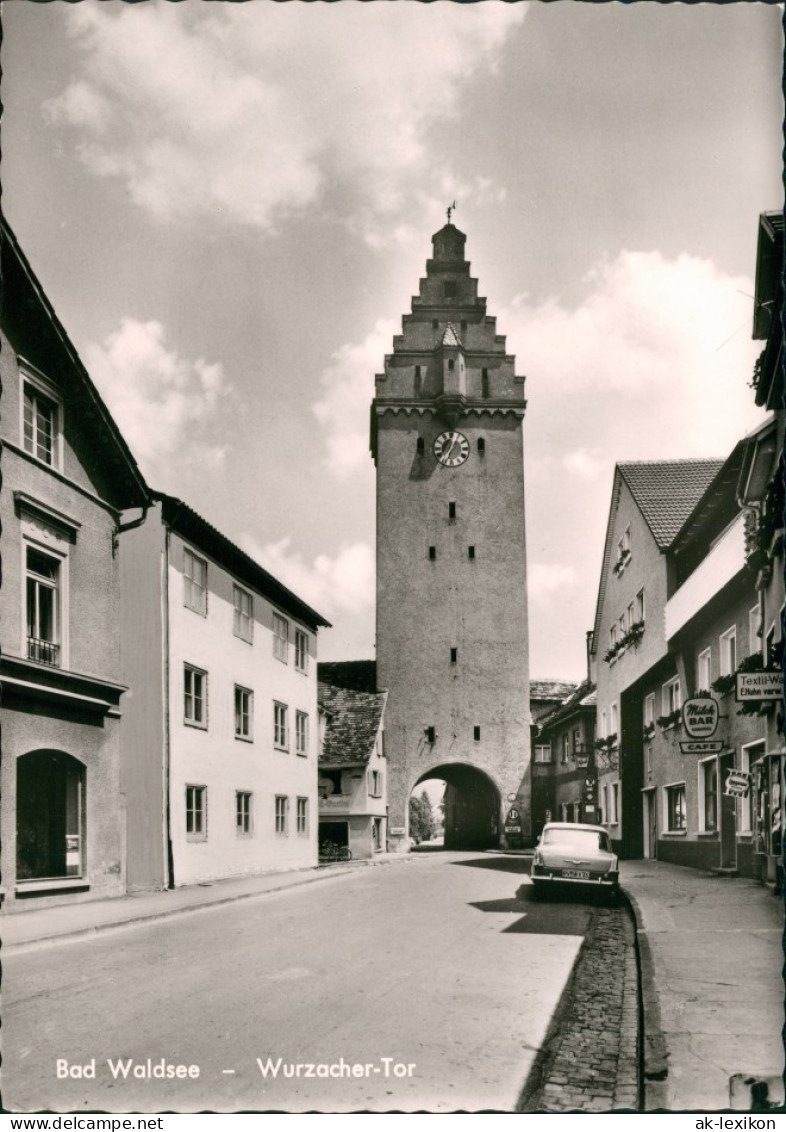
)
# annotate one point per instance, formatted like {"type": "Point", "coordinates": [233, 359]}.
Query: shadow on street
{"type": "Point", "coordinates": [500, 864]}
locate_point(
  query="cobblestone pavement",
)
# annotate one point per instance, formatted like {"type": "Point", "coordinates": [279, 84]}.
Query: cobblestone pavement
{"type": "Point", "coordinates": [590, 1061]}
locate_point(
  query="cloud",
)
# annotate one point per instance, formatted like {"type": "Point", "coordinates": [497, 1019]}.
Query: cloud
{"type": "Point", "coordinates": [657, 354]}
{"type": "Point", "coordinates": [253, 111]}
{"type": "Point", "coordinates": [348, 389]}
{"type": "Point", "coordinates": [163, 404]}
{"type": "Point", "coordinates": [546, 579]}
{"type": "Point", "coordinates": [344, 584]}
{"type": "Point", "coordinates": [583, 463]}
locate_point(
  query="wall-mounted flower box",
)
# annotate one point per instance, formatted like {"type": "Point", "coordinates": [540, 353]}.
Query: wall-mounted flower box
{"type": "Point", "coordinates": [673, 719]}
{"type": "Point", "coordinates": [648, 732]}
{"type": "Point", "coordinates": [621, 562]}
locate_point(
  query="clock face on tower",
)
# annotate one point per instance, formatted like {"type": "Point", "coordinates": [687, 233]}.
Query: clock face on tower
{"type": "Point", "coordinates": [451, 448]}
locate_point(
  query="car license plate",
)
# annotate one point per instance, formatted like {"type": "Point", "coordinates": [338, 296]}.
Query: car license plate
{"type": "Point", "coordinates": [575, 874]}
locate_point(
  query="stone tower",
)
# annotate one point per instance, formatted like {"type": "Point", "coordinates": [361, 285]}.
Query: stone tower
{"type": "Point", "coordinates": [452, 642]}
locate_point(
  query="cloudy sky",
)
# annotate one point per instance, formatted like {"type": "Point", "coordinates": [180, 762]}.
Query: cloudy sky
{"type": "Point", "coordinates": [230, 206]}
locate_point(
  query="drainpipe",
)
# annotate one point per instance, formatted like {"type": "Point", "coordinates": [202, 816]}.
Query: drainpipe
{"type": "Point", "coordinates": [130, 526]}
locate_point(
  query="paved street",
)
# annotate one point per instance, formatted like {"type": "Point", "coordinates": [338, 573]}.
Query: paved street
{"type": "Point", "coordinates": [433, 963]}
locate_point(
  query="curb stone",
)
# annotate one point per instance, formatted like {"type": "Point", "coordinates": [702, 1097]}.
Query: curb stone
{"type": "Point", "coordinates": [654, 1053]}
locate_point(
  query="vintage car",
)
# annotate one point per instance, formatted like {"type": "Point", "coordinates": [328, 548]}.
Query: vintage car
{"type": "Point", "coordinates": [571, 854]}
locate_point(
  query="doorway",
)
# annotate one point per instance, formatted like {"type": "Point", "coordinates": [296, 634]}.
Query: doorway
{"type": "Point", "coordinates": [50, 788]}
{"type": "Point", "coordinates": [728, 816]}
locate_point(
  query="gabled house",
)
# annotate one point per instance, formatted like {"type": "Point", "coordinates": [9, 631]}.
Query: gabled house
{"type": "Point", "coordinates": [220, 733]}
{"type": "Point", "coordinates": [67, 477]}
{"type": "Point", "coordinates": [352, 765]}
{"type": "Point", "coordinates": [564, 774]}
{"type": "Point", "coordinates": [650, 502]}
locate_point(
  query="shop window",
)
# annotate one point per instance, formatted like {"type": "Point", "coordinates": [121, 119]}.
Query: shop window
{"type": "Point", "coordinates": [50, 808]}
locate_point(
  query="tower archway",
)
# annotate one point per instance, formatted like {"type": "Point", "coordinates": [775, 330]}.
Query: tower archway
{"type": "Point", "coordinates": [472, 805]}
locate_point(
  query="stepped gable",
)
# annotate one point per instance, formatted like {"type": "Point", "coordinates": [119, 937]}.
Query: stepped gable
{"type": "Point", "coordinates": [448, 315]}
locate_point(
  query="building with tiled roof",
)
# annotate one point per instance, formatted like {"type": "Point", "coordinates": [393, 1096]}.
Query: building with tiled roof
{"type": "Point", "coordinates": [563, 772]}
{"type": "Point", "coordinates": [352, 782]}
{"type": "Point", "coordinates": [666, 491]}
{"type": "Point", "coordinates": [546, 695]}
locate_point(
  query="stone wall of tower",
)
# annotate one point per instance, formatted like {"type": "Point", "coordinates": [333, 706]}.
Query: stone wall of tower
{"type": "Point", "coordinates": [452, 641]}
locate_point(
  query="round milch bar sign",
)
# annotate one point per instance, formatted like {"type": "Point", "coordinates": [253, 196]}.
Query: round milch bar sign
{"type": "Point", "coordinates": [700, 716]}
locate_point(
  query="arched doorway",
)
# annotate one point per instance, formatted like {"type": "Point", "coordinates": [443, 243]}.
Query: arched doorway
{"type": "Point", "coordinates": [50, 800]}
{"type": "Point", "coordinates": [471, 806]}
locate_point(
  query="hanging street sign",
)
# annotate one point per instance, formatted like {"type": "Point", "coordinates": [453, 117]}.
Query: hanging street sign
{"type": "Point", "coordinates": [701, 747]}
{"type": "Point", "coordinates": [700, 717]}
{"type": "Point", "coordinates": [759, 686]}
{"type": "Point", "coordinates": [738, 784]}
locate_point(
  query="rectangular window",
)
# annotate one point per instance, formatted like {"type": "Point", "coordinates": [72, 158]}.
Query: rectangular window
{"type": "Point", "coordinates": [614, 803]}
{"type": "Point", "coordinates": [603, 729]}
{"type": "Point", "coordinates": [432, 553]}
{"type": "Point", "coordinates": [728, 652]}
{"type": "Point", "coordinates": [708, 789]}
{"type": "Point", "coordinates": [640, 605]}
{"type": "Point", "coordinates": [431, 734]}
{"type": "Point", "coordinates": [671, 699]}
{"type": "Point", "coordinates": [476, 734]}
{"type": "Point", "coordinates": [301, 733]}
{"type": "Point", "coordinates": [41, 424]}
{"type": "Point", "coordinates": [302, 815]}
{"type": "Point", "coordinates": [675, 807]}
{"type": "Point", "coordinates": [194, 696]}
{"type": "Point", "coordinates": [626, 538]}
{"type": "Point", "coordinates": [631, 616]}
{"type": "Point", "coordinates": [301, 650]}
{"type": "Point", "coordinates": [43, 607]}
{"type": "Point", "coordinates": [243, 813]}
{"type": "Point", "coordinates": [604, 809]}
{"type": "Point", "coordinates": [565, 744]}
{"type": "Point", "coordinates": [243, 616]}
{"type": "Point", "coordinates": [375, 783]}
{"type": "Point", "coordinates": [451, 510]}
{"type": "Point", "coordinates": [623, 626]}
{"type": "Point", "coordinates": [194, 582]}
{"type": "Point", "coordinates": [280, 727]}
{"type": "Point", "coordinates": [543, 753]}
{"type": "Point", "coordinates": [704, 670]}
{"type": "Point", "coordinates": [754, 630]}
{"type": "Point", "coordinates": [196, 813]}
{"type": "Point", "coordinates": [614, 720]}
{"type": "Point", "coordinates": [453, 656]}
{"type": "Point", "coordinates": [649, 709]}
{"type": "Point", "coordinates": [471, 552]}
{"type": "Point", "coordinates": [244, 703]}
{"type": "Point", "coordinates": [280, 637]}
{"type": "Point", "coordinates": [282, 815]}
{"type": "Point", "coordinates": [613, 636]}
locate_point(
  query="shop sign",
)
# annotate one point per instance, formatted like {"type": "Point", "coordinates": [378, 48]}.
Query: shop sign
{"type": "Point", "coordinates": [397, 831]}
{"type": "Point", "coordinates": [738, 784]}
{"type": "Point", "coordinates": [700, 717]}
{"type": "Point", "coordinates": [759, 686]}
{"type": "Point", "coordinates": [701, 747]}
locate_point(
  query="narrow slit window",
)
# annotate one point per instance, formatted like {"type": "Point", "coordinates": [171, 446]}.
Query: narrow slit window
{"type": "Point", "coordinates": [453, 656]}
{"type": "Point", "coordinates": [476, 733]}
{"type": "Point", "coordinates": [451, 510]}
{"type": "Point", "coordinates": [421, 446]}
{"type": "Point", "coordinates": [471, 552]}
{"type": "Point", "coordinates": [481, 447]}
{"type": "Point", "coordinates": [432, 553]}
{"type": "Point", "coordinates": [431, 734]}
{"type": "Point", "coordinates": [485, 381]}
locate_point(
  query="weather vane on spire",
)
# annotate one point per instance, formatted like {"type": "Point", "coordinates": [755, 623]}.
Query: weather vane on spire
{"type": "Point", "coordinates": [451, 208]}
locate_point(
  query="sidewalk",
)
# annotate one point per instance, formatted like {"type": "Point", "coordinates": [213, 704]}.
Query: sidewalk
{"type": "Point", "coordinates": [712, 987]}
{"type": "Point", "coordinates": [45, 926]}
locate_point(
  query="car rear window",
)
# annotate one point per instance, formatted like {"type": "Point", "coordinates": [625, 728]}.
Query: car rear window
{"type": "Point", "coordinates": [585, 839]}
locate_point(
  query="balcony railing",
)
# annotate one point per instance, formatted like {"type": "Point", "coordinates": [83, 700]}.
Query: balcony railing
{"type": "Point", "coordinates": [45, 652]}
